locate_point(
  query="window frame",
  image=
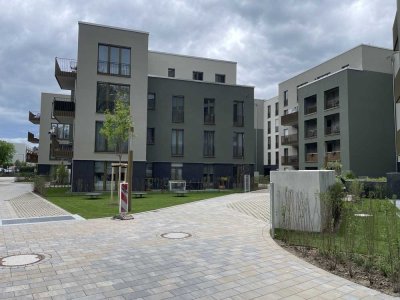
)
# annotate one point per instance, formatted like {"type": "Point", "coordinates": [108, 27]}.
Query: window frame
{"type": "Point", "coordinates": [238, 148]}
{"type": "Point", "coordinates": [108, 62]}
{"type": "Point", "coordinates": [153, 107]}
{"type": "Point", "coordinates": [177, 115]}
{"type": "Point", "coordinates": [220, 76]}
{"type": "Point", "coordinates": [107, 95]}
{"type": "Point", "coordinates": [238, 120]}
{"type": "Point", "coordinates": [176, 151]}
{"type": "Point", "coordinates": [209, 148]}
{"type": "Point", "coordinates": [209, 118]}
{"type": "Point", "coordinates": [197, 75]}
{"type": "Point", "coordinates": [171, 72]}
{"type": "Point", "coordinates": [152, 131]}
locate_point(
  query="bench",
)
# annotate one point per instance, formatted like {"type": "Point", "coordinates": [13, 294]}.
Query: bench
{"type": "Point", "coordinates": [139, 194]}
{"type": "Point", "coordinates": [180, 193]}
{"type": "Point", "coordinates": [93, 195]}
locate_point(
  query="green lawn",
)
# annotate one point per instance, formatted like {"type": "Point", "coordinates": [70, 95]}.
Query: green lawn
{"type": "Point", "coordinates": [102, 207]}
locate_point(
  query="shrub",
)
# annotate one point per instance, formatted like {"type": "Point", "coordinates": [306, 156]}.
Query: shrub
{"type": "Point", "coordinates": [39, 185]}
{"type": "Point", "coordinates": [356, 189]}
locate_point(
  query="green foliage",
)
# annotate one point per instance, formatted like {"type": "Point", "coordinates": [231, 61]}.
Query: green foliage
{"type": "Point", "coordinates": [335, 166]}
{"type": "Point", "coordinates": [349, 175]}
{"type": "Point", "coordinates": [39, 185]}
{"type": "Point", "coordinates": [26, 169]}
{"type": "Point", "coordinates": [333, 203]}
{"type": "Point", "coordinates": [117, 125]}
{"type": "Point", "coordinates": [62, 174]}
{"type": "Point", "coordinates": [7, 152]}
{"type": "Point", "coordinates": [356, 190]}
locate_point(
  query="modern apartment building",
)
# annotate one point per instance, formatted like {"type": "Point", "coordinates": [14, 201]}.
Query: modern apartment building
{"type": "Point", "coordinates": [191, 120]}
{"type": "Point", "coordinates": [259, 138]}
{"type": "Point", "coordinates": [271, 135]}
{"type": "Point", "coordinates": [341, 110]}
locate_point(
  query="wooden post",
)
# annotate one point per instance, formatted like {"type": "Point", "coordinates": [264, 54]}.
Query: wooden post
{"type": "Point", "coordinates": [112, 181]}
{"type": "Point", "coordinates": [129, 177]}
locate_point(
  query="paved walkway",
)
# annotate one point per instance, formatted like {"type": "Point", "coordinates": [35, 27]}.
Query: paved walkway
{"type": "Point", "coordinates": [230, 255]}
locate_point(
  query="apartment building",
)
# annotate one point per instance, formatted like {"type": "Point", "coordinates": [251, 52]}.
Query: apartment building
{"type": "Point", "coordinates": [192, 121]}
{"type": "Point", "coordinates": [271, 135]}
{"type": "Point", "coordinates": [341, 110]}
{"type": "Point", "coordinates": [259, 136]}
{"type": "Point", "coordinates": [396, 76]}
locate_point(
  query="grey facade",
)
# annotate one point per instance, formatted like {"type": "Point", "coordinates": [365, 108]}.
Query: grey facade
{"type": "Point", "coordinates": [355, 126]}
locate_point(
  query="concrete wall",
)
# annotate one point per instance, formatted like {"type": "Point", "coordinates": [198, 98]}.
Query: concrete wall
{"type": "Point", "coordinates": [20, 152]}
{"type": "Point", "coordinates": [194, 93]}
{"type": "Point", "coordinates": [296, 199]}
{"type": "Point", "coordinates": [184, 66]}
{"type": "Point", "coordinates": [90, 36]}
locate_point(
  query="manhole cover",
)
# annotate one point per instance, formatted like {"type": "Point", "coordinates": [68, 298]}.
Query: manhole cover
{"type": "Point", "coordinates": [20, 260]}
{"type": "Point", "coordinates": [176, 235]}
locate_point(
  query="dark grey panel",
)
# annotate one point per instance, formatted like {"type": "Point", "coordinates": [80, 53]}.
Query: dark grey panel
{"type": "Point", "coordinates": [82, 175]}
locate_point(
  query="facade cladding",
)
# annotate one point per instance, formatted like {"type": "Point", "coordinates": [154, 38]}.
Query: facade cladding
{"type": "Point", "coordinates": [396, 77]}
{"type": "Point", "coordinates": [191, 120]}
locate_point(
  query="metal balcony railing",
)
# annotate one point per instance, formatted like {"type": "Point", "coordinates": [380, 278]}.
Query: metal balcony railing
{"type": "Point", "coordinates": [290, 119]}
{"type": "Point", "coordinates": [333, 156]}
{"type": "Point", "coordinates": [32, 138]}
{"type": "Point", "coordinates": [34, 118]}
{"type": "Point", "coordinates": [332, 130]}
{"type": "Point", "coordinates": [292, 160]}
{"type": "Point", "coordinates": [291, 139]}
{"type": "Point", "coordinates": [65, 72]}
{"type": "Point", "coordinates": [63, 109]}
{"type": "Point", "coordinates": [310, 133]}
{"type": "Point", "coordinates": [332, 103]}
{"type": "Point", "coordinates": [310, 109]}
{"type": "Point", "coordinates": [111, 68]}
{"type": "Point", "coordinates": [61, 151]}
{"type": "Point", "coordinates": [31, 156]}
{"type": "Point", "coordinates": [311, 157]}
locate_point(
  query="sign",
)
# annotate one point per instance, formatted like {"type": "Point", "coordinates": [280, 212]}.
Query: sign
{"type": "Point", "coordinates": [123, 197]}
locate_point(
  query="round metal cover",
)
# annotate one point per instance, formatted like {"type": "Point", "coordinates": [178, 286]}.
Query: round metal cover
{"type": "Point", "coordinates": [20, 260]}
{"type": "Point", "coordinates": [176, 235]}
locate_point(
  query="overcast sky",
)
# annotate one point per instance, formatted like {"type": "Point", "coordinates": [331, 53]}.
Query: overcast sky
{"type": "Point", "coordinates": [271, 40]}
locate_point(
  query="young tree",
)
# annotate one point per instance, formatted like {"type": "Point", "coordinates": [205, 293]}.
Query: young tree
{"type": "Point", "coordinates": [7, 152]}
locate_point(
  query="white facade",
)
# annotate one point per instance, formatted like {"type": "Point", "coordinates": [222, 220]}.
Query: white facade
{"type": "Point", "coordinates": [362, 57]}
{"type": "Point", "coordinates": [271, 132]}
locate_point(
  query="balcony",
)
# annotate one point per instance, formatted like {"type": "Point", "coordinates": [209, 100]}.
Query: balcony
{"type": "Point", "coordinates": [63, 110]}
{"type": "Point", "coordinates": [310, 133]}
{"type": "Point", "coordinates": [31, 156]}
{"type": "Point", "coordinates": [292, 139]}
{"type": "Point", "coordinates": [333, 156]}
{"type": "Point", "coordinates": [32, 139]}
{"type": "Point", "coordinates": [292, 160]}
{"type": "Point", "coordinates": [34, 118]}
{"type": "Point", "coordinates": [332, 130]}
{"type": "Point", "coordinates": [311, 157]}
{"type": "Point", "coordinates": [290, 119]}
{"type": "Point", "coordinates": [61, 151]}
{"type": "Point", "coordinates": [332, 103]}
{"type": "Point", "coordinates": [65, 72]}
{"type": "Point", "coordinates": [310, 109]}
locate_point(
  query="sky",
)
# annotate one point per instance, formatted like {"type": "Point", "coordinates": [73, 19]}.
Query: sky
{"type": "Point", "coordinates": [270, 40]}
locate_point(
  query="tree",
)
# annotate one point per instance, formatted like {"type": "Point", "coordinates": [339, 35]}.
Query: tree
{"type": "Point", "coordinates": [61, 173]}
{"type": "Point", "coordinates": [7, 152]}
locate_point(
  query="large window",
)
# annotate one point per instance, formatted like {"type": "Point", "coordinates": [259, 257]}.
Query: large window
{"type": "Point", "coordinates": [208, 145]}
{"type": "Point", "coordinates": [332, 98]}
{"type": "Point", "coordinates": [276, 109]}
{"type": "Point", "coordinates": [238, 116]}
{"type": "Point", "coordinates": [269, 127]}
{"type": "Point", "coordinates": [150, 136]}
{"type": "Point", "coordinates": [285, 98]}
{"type": "Point", "coordinates": [238, 144]}
{"type": "Point", "coordinates": [178, 109]}
{"type": "Point", "coordinates": [209, 111]}
{"type": "Point", "coordinates": [102, 145]}
{"type": "Point", "coordinates": [269, 111]}
{"type": "Point", "coordinates": [108, 93]}
{"type": "Point", "coordinates": [61, 131]}
{"type": "Point", "coordinates": [114, 60]}
{"type": "Point", "coordinates": [269, 143]}
{"type": "Point", "coordinates": [197, 75]}
{"type": "Point", "coordinates": [151, 101]}
{"type": "Point", "coordinates": [177, 142]}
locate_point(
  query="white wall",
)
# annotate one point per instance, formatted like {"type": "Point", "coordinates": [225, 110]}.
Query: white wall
{"type": "Point", "coordinates": [275, 121]}
{"type": "Point", "coordinates": [185, 65]}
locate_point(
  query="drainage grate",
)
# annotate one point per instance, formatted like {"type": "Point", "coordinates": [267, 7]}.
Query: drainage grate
{"type": "Point", "coordinates": [176, 235]}
{"type": "Point", "coordinates": [20, 260]}
{"type": "Point", "coordinates": [36, 220]}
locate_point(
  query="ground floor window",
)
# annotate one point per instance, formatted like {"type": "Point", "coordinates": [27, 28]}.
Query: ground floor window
{"type": "Point", "coordinates": [102, 175]}
{"type": "Point", "coordinates": [208, 176]}
{"type": "Point", "coordinates": [176, 171]}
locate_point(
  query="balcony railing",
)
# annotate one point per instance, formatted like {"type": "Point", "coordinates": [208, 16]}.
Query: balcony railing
{"type": "Point", "coordinates": [238, 121]}
{"type": "Point", "coordinates": [32, 138]}
{"type": "Point", "coordinates": [290, 119]}
{"type": "Point", "coordinates": [209, 119]}
{"type": "Point", "coordinates": [65, 72]}
{"type": "Point", "coordinates": [332, 130]}
{"type": "Point", "coordinates": [111, 68]}
{"type": "Point", "coordinates": [311, 157]}
{"type": "Point", "coordinates": [34, 118]}
{"type": "Point", "coordinates": [61, 151]}
{"type": "Point", "coordinates": [63, 110]}
{"type": "Point", "coordinates": [310, 133]}
{"type": "Point", "coordinates": [292, 160]}
{"type": "Point", "coordinates": [310, 109]}
{"type": "Point", "coordinates": [332, 103]}
{"type": "Point", "coordinates": [291, 139]}
{"type": "Point", "coordinates": [31, 156]}
{"type": "Point", "coordinates": [333, 156]}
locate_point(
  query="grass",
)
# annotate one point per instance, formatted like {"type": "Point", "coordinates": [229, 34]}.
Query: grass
{"type": "Point", "coordinates": [102, 207]}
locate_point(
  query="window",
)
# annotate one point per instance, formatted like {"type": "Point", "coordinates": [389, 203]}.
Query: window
{"type": "Point", "coordinates": [114, 60]}
{"type": "Point", "coordinates": [107, 93]}
{"type": "Point", "coordinates": [149, 170]}
{"type": "Point", "coordinates": [102, 145]}
{"type": "Point", "coordinates": [269, 111]}
{"type": "Point", "coordinates": [332, 98]}
{"type": "Point", "coordinates": [209, 111]}
{"type": "Point", "coordinates": [208, 144]}
{"type": "Point", "coordinates": [178, 109]}
{"type": "Point", "coordinates": [177, 142]}
{"type": "Point", "coordinates": [277, 157]}
{"type": "Point", "coordinates": [277, 141]}
{"type": "Point", "coordinates": [269, 127]}
{"type": "Point", "coordinates": [269, 143]}
{"type": "Point", "coordinates": [238, 144]}
{"type": "Point", "coordinates": [150, 136]}
{"type": "Point", "coordinates": [171, 72]}
{"type": "Point", "coordinates": [176, 171]}
{"type": "Point", "coordinates": [151, 101]}
{"type": "Point", "coordinates": [208, 176]}
{"type": "Point", "coordinates": [269, 158]}
{"type": "Point", "coordinates": [276, 125]}
{"type": "Point", "coordinates": [276, 109]}
{"type": "Point", "coordinates": [61, 131]}
{"type": "Point", "coordinates": [238, 117]}
{"type": "Point", "coordinates": [285, 98]}
{"type": "Point", "coordinates": [285, 112]}
{"type": "Point", "coordinates": [197, 75]}
{"type": "Point", "coordinates": [220, 78]}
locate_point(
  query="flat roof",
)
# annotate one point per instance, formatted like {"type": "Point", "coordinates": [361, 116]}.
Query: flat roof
{"type": "Point", "coordinates": [112, 27]}
{"type": "Point", "coordinates": [329, 75]}
{"type": "Point", "coordinates": [191, 56]}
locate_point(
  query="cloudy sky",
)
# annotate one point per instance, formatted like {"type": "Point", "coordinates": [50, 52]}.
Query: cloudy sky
{"type": "Point", "coordinates": [271, 40]}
